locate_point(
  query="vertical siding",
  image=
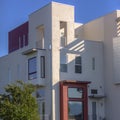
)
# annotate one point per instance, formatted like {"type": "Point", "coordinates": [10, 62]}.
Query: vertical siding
{"type": "Point", "coordinates": [14, 37]}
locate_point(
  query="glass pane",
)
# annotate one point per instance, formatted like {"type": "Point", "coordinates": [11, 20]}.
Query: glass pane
{"type": "Point", "coordinates": [40, 93]}
{"type": "Point", "coordinates": [93, 63]}
{"type": "Point", "coordinates": [75, 110]}
{"type": "Point", "coordinates": [75, 92]}
{"type": "Point", "coordinates": [63, 67]}
{"type": "Point", "coordinates": [32, 65]}
{"type": "Point", "coordinates": [78, 69]}
{"type": "Point", "coordinates": [78, 60]}
{"type": "Point", "coordinates": [94, 115]}
{"type": "Point", "coordinates": [42, 66]}
{"type": "Point", "coordinates": [32, 76]}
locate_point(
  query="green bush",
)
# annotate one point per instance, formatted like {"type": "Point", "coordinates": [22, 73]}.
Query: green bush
{"type": "Point", "coordinates": [18, 103]}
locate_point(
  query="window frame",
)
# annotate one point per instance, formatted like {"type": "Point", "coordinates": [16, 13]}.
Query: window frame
{"type": "Point", "coordinates": [64, 85]}
{"type": "Point", "coordinates": [34, 72]}
{"type": "Point", "coordinates": [42, 62]}
{"type": "Point", "coordinates": [93, 63]}
{"type": "Point", "coordinates": [78, 65]}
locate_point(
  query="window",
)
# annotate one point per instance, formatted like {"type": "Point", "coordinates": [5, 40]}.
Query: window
{"type": "Point", "coordinates": [75, 110]}
{"type": "Point", "coordinates": [32, 68]}
{"type": "Point", "coordinates": [63, 67]}
{"type": "Point", "coordinates": [94, 115]}
{"type": "Point", "coordinates": [93, 63]}
{"type": "Point", "coordinates": [40, 95]}
{"type": "Point", "coordinates": [63, 63]}
{"type": "Point", "coordinates": [75, 103]}
{"type": "Point", "coordinates": [94, 91]}
{"type": "Point", "coordinates": [42, 66]}
{"type": "Point", "coordinates": [75, 92]}
{"type": "Point", "coordinates": [78, 64]}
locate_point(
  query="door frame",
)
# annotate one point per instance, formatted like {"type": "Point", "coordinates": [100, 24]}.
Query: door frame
{"type": "Point", "coordinates": [64, 85]}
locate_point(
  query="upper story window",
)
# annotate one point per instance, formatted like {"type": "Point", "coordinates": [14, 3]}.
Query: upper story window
{"type": "Point", "coordinates": [32, 68]}
{"type": "Point", "coordinates": [78, 64]}
{"type": "Point", "coordinates": [63, 63]}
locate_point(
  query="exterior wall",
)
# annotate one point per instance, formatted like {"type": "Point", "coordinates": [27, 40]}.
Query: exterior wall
{"type": "Point", "coordinates": [94, 30]}
{"type": "Point", "coordinates": [116, 60]}
{"type": "Point", "coordinates": [78, 30]}
{"type": "Point", "coordinates": [91, 50]}
{"type": "Point", "coordinates": [112, 102]}
{"type": "Point", "coordinates": [64, 14]}
{"type": "Point", "coordinates": [13, 69]}
{"type": "Point", "coordinates": [105, 29]}
{"type": "Point", "coordinates": [18, 38]}
{"type": "Point", "coordinates": [36, 20]}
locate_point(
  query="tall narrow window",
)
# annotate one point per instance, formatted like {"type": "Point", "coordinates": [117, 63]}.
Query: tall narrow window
{"type": "Point", "coordinates": [78, 64]}
{"type": "Point", "coordinates": [40, 95]}
{"type": "Point", "coordinates": [42, 66]}
{"type": "Point", "coordinates": [94, 115]}
{"type": "Point", "coordinates": [93, 63]}
{"type": "Point", "coordinates": [32, 68]}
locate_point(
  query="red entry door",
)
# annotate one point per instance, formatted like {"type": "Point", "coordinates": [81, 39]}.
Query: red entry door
{"type": "Point", "coordinates": [73, 100]}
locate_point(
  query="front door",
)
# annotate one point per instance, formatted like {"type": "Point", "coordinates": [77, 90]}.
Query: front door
{"type": "Point", "coordinates": [73, 100]}
{"type": "Point", "coordinates": [75, 103]}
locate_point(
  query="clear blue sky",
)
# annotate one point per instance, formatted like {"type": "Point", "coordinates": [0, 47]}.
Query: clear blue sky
{"type": "Point", "coordinates": [15, 12]}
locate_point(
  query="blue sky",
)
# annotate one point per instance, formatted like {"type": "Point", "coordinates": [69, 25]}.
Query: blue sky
{"type": "Point", "coordinates": [15, 12]}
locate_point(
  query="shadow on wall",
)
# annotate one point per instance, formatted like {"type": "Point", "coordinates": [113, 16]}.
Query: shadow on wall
{"type": "Point", "coordinates": [75, 47]}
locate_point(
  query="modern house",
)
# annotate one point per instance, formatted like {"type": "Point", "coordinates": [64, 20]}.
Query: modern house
{"type": "Point", "coordinates": [75, 66]}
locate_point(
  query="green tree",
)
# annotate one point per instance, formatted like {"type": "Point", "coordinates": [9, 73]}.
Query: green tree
{"type": "Point", "coordinates": [18, 103]}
